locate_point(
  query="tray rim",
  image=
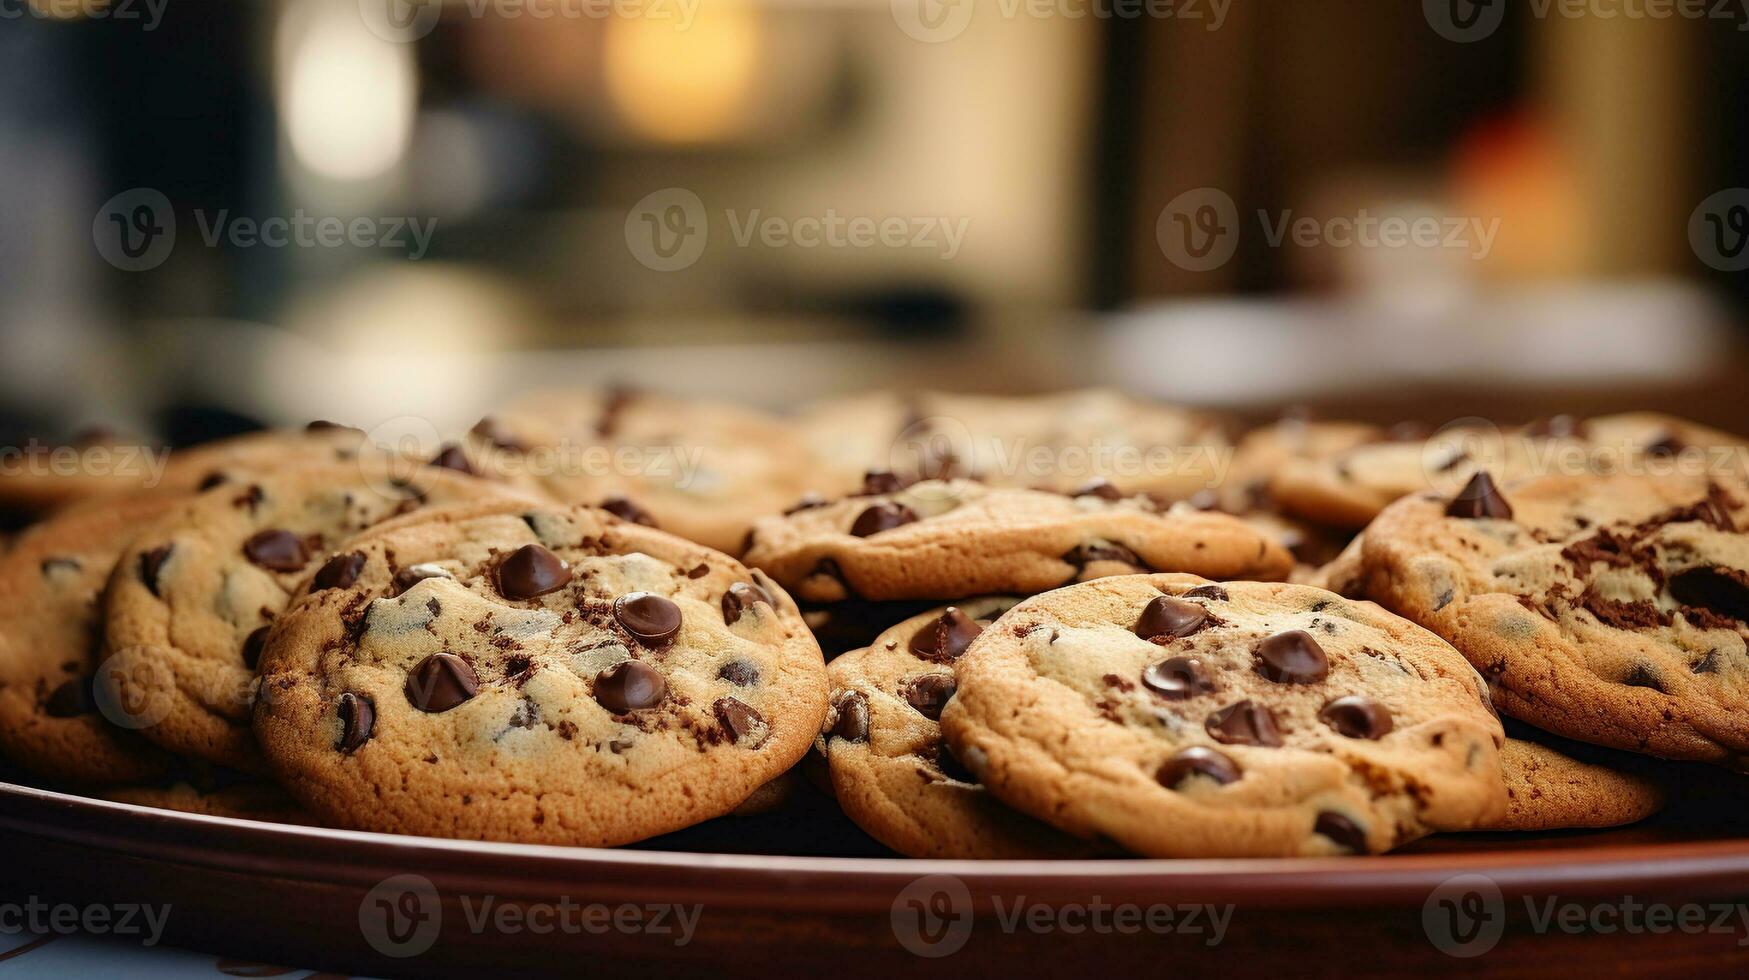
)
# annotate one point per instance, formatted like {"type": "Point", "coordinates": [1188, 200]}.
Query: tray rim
{"type": "Point", "coordinates": [361, 859]}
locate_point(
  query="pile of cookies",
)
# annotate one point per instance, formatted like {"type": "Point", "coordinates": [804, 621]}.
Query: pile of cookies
{"type": "Point", "coordinates": [1076, 625]}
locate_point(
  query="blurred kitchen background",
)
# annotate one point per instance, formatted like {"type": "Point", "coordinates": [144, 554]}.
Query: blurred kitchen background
{"type": "Point", "coordinates": [775, 200]}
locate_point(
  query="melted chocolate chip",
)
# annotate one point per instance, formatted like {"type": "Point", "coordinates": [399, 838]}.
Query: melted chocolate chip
{"type": "Point", "coordinates": [1177, 678]}
{"type": "Point", "coordinates": [1478, 499]}
{"type": "Point", "coordinates": [945, 637]}
{"type": "Point", "coordinates": [741, 598]}
{"type": "Point", "coordinates": [877, 482]}
{"type": "Point", "coordinates": [531, 571]}
{"type": "Point", "coordinates": [625, 510]}
{"type": "Point", "coordinates": [1292, 658]}
{"type": "Point", "coordinates": [452, 457]}
{"type": "Point", "coordinates": [1214, 592]}
{"type": "Point", "coordinates": [1244, 723]}
{"type": "Point", "coordinates": [412, 575]}
{"type": "Point", "coordinates": [1102, 488]}
{"type": "Point", "coordinates": [497, 434]}
{"type": "Point", "coordinates": [151, 563]}
{"type": "Point", "coordinates": [70, 700]}
{"type": "Point", "coordinates": [252, 646]}
{"type": "Point", "coordinates": [1665, 446]}
{"type": "Point", "coordinates": [1083, 555]}
{"type": "Point", "coordinates": [1357, 717]}
{"type": "Point", "coordinates": [631, 685]}
{"type": "Point", "coordinates": [276, 550]}
{"type": "Point", "coordinates": [649, 618]}
{"type": "Point", "coordinates": [739, 673]}
{"type": "Point", "coordinates": [1344, 832]}
{"type": "Point", "coordinates": [928, 693]}
{"type": "Point", "coordinates": [850, 717]}
{"type": "Point", "coordinates": [883, 516]}
{"type": "Point", "coordinates": [440, 682]}
{"type": "Point", "coordinates": [323, 425]}
{"type": "Point", "coordinates": [1166, 618]}
{"type": "Point", "coordinates": [338, 572]}
{"type": "Point", "coordinates": [358, 721]}
{"type": "Point", "coordinates": [740, 720]}
{"type": "Point", "coordinates": [1723, 590]}
{"type": "Point", "coordinates": [1197, 761]}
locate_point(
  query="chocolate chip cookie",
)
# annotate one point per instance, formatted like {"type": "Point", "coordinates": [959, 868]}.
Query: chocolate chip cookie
{"type": "Point", "coordinates": [1182, 718]}
{"type": "Point", "coordinates": [189, 604]}
{"type": "Point", "coordinates": [549, 675]}
{"type": "Point", "coordinates": [1349, 488]}
{"type": "Point", "coordinates": [890, 769]}
{"type": "Point", "coordinates": [947, 539]}
{"type": "Point", "coordinates": [1059, 442]}
{"type": "Point", "coordinates": [1609, 609]}
{"type": "Point", "coordinates": [702, 470]}
{"type": "Point", "coordinates": [57, 701]}
{"type": "Point", "coordinates": [240, 801]}
{"type": "Point", "coordinates": [1547, 789]}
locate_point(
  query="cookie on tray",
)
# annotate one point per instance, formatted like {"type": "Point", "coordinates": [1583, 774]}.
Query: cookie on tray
{"type": "Point", "coordinates": [1548, 789]}
{"type": "Point", "coordinates": [59, 717]}
{"type": "Point", "coordinates": [956, 538]}
{"type": "Point", "coordinates": [1184, 718]}
{"type": "Point", "coordinates": [190, 602]}
{"type": "Point", "coordinates": [890, 769]}
{"type": "Point", "coordinates": [1609, 609]}
{"type": "Point", "coordinates": [545, 675]}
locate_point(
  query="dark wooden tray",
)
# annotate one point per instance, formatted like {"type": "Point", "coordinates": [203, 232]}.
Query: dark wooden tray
{"type": "Point", "coordinates": [317, 898]}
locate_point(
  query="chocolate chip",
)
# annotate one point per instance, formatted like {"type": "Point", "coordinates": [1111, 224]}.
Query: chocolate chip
{"type": "Point", "coordinates": [699, 570]}
{"type": "Point", "coordinates": [1165, 618]}
{"type": "Point", "coordinates": [1344, 832]}
{"type": "Point", "coordinates": [1478, 499]}
{"type": "Point", "coordinates": [412, 575]}
{"type": "Point", "coordinates": [71, 699]}
{"type": "Point", "coordinates": [742, 722]}
{"type": "Point", "coordinates": [1102, 488]}
{"type": "Point", "coordinates": [850, 717]}
{"type": "Point", "coordinates": [323, 425]}
{"type": "Point", "coordinates": [1722, 590]}
{"type": "Point", "coordinates": [741, 598]}
{"type": "Point", "coordinates": [1665, 446]}
{"type": "Point", "coordinates": [649, 618]}
{"type": "Point", "coordinates": [739, 673]}
{"type": "Point", "coordinates": [945, 637]}
{"type": "Point", "coordinates": [151, 563]}
{"type": "Point", "coordinates": [625, 510]}
{"type": "Point", "coordinates": [1244, 723]}
{"type": "Point", "coordinates": [440, 682]}
{"type": "Point", "coordinates": [630, 685]}
{"type": "Point", "coordinates": [928, 693]}
{"type": "Point", "coordinates": [1357, 717]}
{"type": "Point", "coordinates": [1197, 761]}
{"type": "Point", "coordinates": [1214, 592]}
{"type": "Point", "coordinates": [883, 516]}
{"type": "Point", "coordinates": [951, 767]}
{"type": "Point", "coordinates": [877, 482]}
{"type": "Point", "coordinates": [531, 571]}
{"type": "Point", "coordinates": [358, 721]}
{"type": "Point", "coordinates": [451, 456]}
{"type": "Point", "coordinates": [211, 480]}
{"type": "Point", "coordinates": [497, 434]}
{"type": "Point", "coordinates": [1642, 675]}
{"type": "Point", "coordinates": [338, 572]}
{"type": "Point", "coordinates": [1292, 658]}
{"type": "Point", "coordinates": [252, 646]}
{"type": "Point", "coordinates": [1083, 555]}
{"type": "Point", "coordinates": [276, 550]}
{"type": "Point", "coordinates": [1177, 678]}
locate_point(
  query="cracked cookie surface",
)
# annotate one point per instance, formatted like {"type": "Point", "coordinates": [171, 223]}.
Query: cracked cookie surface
{"type": "Point", "coordinates": [891, 771]}
{"type": "Point", "coordinates": [1181, 718]}
{"type": "Point", "coordinates": [1610, 609]}
{"type": "Point", "coordinates": [547, 675]}
{"type": "Point", "coordinates": [956, 538]}
{"type": "Point", "coordinates": [190, 602]}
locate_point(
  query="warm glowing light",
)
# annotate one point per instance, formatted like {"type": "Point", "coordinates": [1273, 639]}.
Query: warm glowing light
{"type": "Point", "coordinates": [346, 96]}
{"type": "Point", "coordinates": [680, 82]}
